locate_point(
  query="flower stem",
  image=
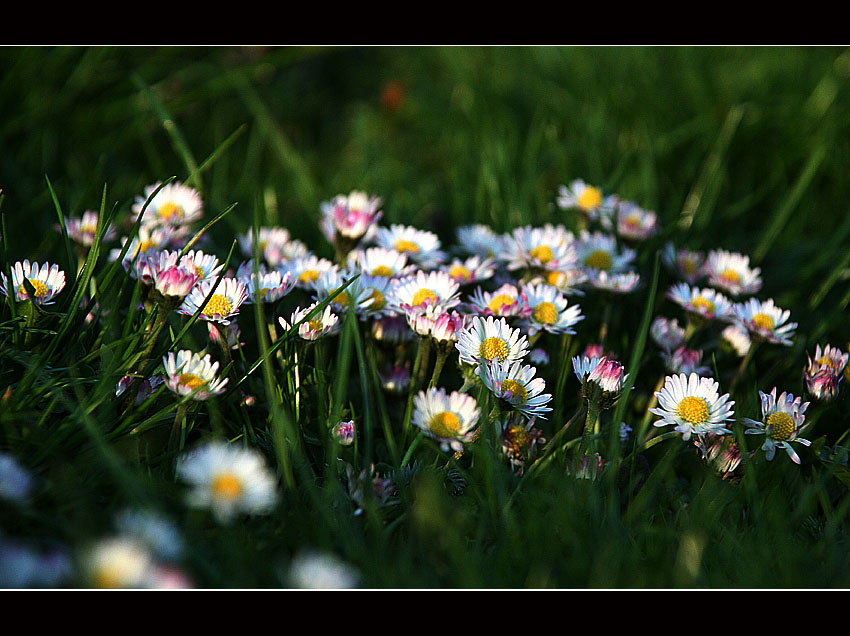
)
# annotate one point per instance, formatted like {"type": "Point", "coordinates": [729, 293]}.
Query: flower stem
{"type": "Point", "coordinates": [442, 356]}
{"type": "Point", "coordinates": [593, 410]}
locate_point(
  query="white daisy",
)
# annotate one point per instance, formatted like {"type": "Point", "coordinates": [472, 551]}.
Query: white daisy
{"type": "Point", "coordinates": [191, 374]}
{"type": "Point", "coordinates": [355, 296]}
{"type": "Point", "coordinates": [667, 333]}
{"type": "Point", "coordinates": [617, 282]}
{"type": "Point", "coordinates": [517, 385]}
{"type": "Point", "coordinates": [737, 338]}
{"type": "Point", "coordinates": [782, 421]}
{"type": "Point", "coordinates": [684, 263]}
{"type": "Point", "coordinates": [83, 229]}
{"type": "Point", "coordinates": [420, 246]}
{"type": "Point", "coordinates": [117, 563]}
{"type": "Point", "coordinates": [470, 270]}
{"type": "Point", "coordinates": [732, 273]}
{"type": "Point", "coordinates": [321, 571]}
{"type": "Point", "coordinates": [585, 198]}
{"type": "Point", "coordinates": [634, 223]}
{"type": "Point", "coordinates": [380, 261]}
{"type": "Point", "coordinates": [174, 205]}
{"type": "Point", "coordinates": [450, 419]}
{"type": "Point", "coordinates": [549, 310]}
{"type": "Point", "coordinates": [228, 479]}
{"type": "Point", "coordinates": [47, 280]}
{"type": "Point", "coordinates": [148, 239]}
{"type": "Point", "coordinates": [829, 357]}
{"type": "Point", "coordinates": [488, 339]}
{"type": "Point", "coordinates": [222, 306]}
{"type": "Point", "coordinates": [323, 323]}
{"type": "Point", "coordinates": [352, 217]}
{"type": "Point", "coordinates": [479, 240]}
{"type": "Point", "coordinates": [305, 269]}
{"type": "Point", "coordinates": [599, 251]}
{"type": "Point", "coordinates": [705, 303]}
{"type": "Point", "coordinates": [506, 301]}
{"type": "Point", "coordinates": [692, 405]}
{"type": "Point", "coordinates": [548, 248]}
{"type": "Point", "coordinates": [764, 320]}
{"type": "Point", "coordinates": [275, 244]}
{"type": "Point", "coordinates": [601, 377]}
{"type": "Point", "coordinates": [417, 291]}
{"type": "Point", "coordinates": [206, 266]}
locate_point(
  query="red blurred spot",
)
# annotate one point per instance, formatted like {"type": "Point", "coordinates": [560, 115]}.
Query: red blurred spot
{"type": "Point", "coordinates": [392, 95]}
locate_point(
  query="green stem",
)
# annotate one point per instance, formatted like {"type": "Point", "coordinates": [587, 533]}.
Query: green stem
{"type": "Point", "coordinates": [593, 410]}
{"type": "Point", "coordinates": [442, 355]}
{"type": "Point", "coordinates": [414, 382]}
{"type": "Point", "coordinates": [177, 427]}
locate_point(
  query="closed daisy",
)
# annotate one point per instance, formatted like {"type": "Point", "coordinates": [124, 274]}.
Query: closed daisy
{"type": "Point", "coordinates": [517, 386]}
{"type": "Point", "coordinates": [549, 310]}
{"type": "Point", "coordinates": [449, 419]}
{"type": "Point", "coordinates": [705, 303]}
{"type": "Point", "coordinates": [667, 333]}
{"type": "Point", "coordinates": [615, 283]}
{"type": "Point", "coordinates": [82, 229]}
{"type": "Point", "coordinates": [765, 321]}
{"type": "Point", "coordinates": [488, 339]}
{"type": "Point", "coordinates": [228, 479]}
{"type": "Point", "coordinates": [222, 306]}
{"type": "Point", "coordinates": [782, 421]}
{"type": "Point", "coordinates": [693, 405]}
{"type": "Point", "coordinates": [189, 373]}
{"type": "Point", "coordinates": [46, 280]}
{"type": "Point", "coordinates": [732, 273]}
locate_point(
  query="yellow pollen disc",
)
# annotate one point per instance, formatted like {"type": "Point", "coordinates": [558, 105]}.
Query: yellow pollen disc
{"type": "Point", "coordinates": [703, 304]}
{"type": "Point", "coordinates": [445, 424]}
{"type": "Point", "coordinates": [342, 299]}
{"type": "Point", "coordinates": [403, 245]}
{"type": "Point", "coordinates": [382, 270]}
{"type": "Point", "coordinates": [226, 486]}
{"type": "Point", "coordinates": [498, 300]}
{"type": "Point", "coordinates": [693, 410]}
{"type": "Point", "coordinates": [555, 278]}
{"type": "Point", "coordinates": [309, 276]}
{"type": "Point", "coordinates": [459, 271]}
{"type": "Point", "coordinates": [730, 277]}
{"type": "Point", "coordinates": [378, 300]}
{"type": "Point", "coordinates": [590, 198]}
{"type": "Point", "coordinates": [546, 313]}
{"type": "Point", "coordinates": [218, 304]}
{"type": "Point", "coordinates": [763, 321]}
{"type": "Point", "coordinates": [520, 395]}
{"type": "Point", "coordinates": [39, 287]}
{"type": "Point", "coordinates": [315, 325]}
{"type": "Point", "coordinates": [599, 259]}
{"type": "Point", "coordinates": [199, 271]}
{"type": "Point", "coordinates": [108, 578]}
{"type": "Point", "coordinates": [543, 253]}
{"type": "Point", "coordinates": [823, 360]}
{"type": "Point", "coordinates": [144, 246]}
{"type": "Point", "coordinates": [633, 220]}
{"type": "Point", "coordinates": [494, 348]}
{"type": "Point", "coordinates": [780, 426]}
{"type": "Point", "coordinates": [422, 296]}
{"type": "Point", "coordinates": [170, 212]}
{"type": "Point", "coordinates": [191, 380]}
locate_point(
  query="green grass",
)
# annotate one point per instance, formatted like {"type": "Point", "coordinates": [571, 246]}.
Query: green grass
{"type": "Point", "coordinates": [737, 148]}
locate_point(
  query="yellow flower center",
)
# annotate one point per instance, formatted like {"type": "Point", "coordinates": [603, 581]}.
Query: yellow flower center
{"type": "Point", "coordinates": [498, 301]}
{"type": "Point", "coordinates": [688, 266]}
{"type": "Point", "coordinates": [191, 380]}
{"type": "Point", "coordinates": [382, 270]}
{"type": "Point", "coordinates": [555, 278]}
{"type": "Point", "coordinates": [199, 271]}
{"type": "Point", "coordinates": [145, 245]}
{"type": "Point", "coordinates": [763, 321]}
{"type": "Point", "coordinates": [590, 198]}
{"type": "Point", "coordinates": [543, 253]}
{"type": "Point", "coordinates": [730, 277]}
{"type": "Point", "coordinates": [459, 271]}
{"type": "Point", "coordinates": [494, 348]}
{"type": "Point", "coordinates": [693, 410]}
{"type": "Point", "coordinates": [109, 578]}
{"type": "Point", "coordinates": [780, 426]}
{"type": "Point", "coordinates": [403, 245]}
{"type": "Point", "coordinates": [599, 259]}
{"type": "Point", "coordinates": [422, 296]}
{"type": "Point", "coordinates": [378, 300]}
{"type": "Point", "coordinates": [823, 360]}
{"type": "Point", "coordinates": [218, 304]}
{"type": "Point", "coordinates": [39, 287]}
{"type": "Point", "coordinates": [633, 221]}
{"type": "Point", "coordinates": [315, 325]}
{"type": "Point", "coordinates": [170, 212]}
{"type": "Point", "coordinates": [309, 276]}
{"type": "Point", "coordinates": [702, 305]}
{"type": "Point", "coordinates": [445, 424]}
{"type": "Point", "coordinates": [546, 313]}
{"type": "Point", "coordinates": [226, 486]}
{"type": "Point", "coordinates": [520, 395]}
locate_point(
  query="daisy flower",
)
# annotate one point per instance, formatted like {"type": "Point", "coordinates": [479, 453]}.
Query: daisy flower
{"type": "Point", "coordinates": [822, 385]}
{"type": "Point", "coordinates": [275, 244]}
{"type": "Point", "coordinates": [118, 563]}
{"type": "Point", "coordinates": [667, 333]}
{"type": "Point", "coordinates": [829, 357]}
{"type": "Point", "coordinates": [684, 263]}
{"type": "Point", "coordinates": [420, 246]}
{"type": "Point", "coordinates": [190, 374]}
{"type": "Point", "coordinates": [824, 373]}
{"type": "Point", "coordinates": [506, 301]}
{"type": "Point", "coordinates": [353, 296]}
{"type": "Point", "coordinates": [693, 405]}
{"type": "Point", "coordinates": [172, 284]}
{"type": "Point", "coordinates": [449, 419]}
{"type": "Point", "coordinates": [782, 421]}
{"type": "Point", "coordinates": [549, 310]}
{"type": "Point", "coordinates": [684, 360]}
{"type": "Point", "coordinates": [83, 229]}
{"type": "Point", "coordinates": [603, 377]}
{"type": "Point", "coordinates": [417, 291]}
{"type": "Point", "coordinates": [732, 273]}
{"type": "Point", "coordinates": [488, 339]}
{"type": "Point", "coordinates": [634, 223]}
{"type": "Point", "coordinates": [549, 248]}
{"type": "Point", "coordinates": [47, 280]}
{"type": "Point", "coordinates": [764, 320]}
{"type": "Point", "coordinates": [517, 385]}
{"type": "Point", "coordinates": [148, 239]}
{"type": "Point", "coordinates": [325, 323]}
{"type": "Point", "coordinates": [470, 270]}
{"type": "Point", "coordinates": [222, 307]}
{"type": "Point", "coordinates": [270, 285]}
{"type": "Point", "coordinates": [206, 266]}
{"type": "Point", "coordinates": [565, 280]}
{"type": "Point", "coordinates": [705, 303]}
{"type": "Point", "coordinates": [321, 571]}
{"type": "Point", "coordinates": [479, 240]}
{"type": "Point", "coordinates": [350, 218]}
{"type": "Point", "coordinates": [520, 440]}
{"type": "Point", "coordinates": [738, 338]}
{"type": "Point", "coordinates": [305, 269]}
{"type": "Point", "coordinates": [437, 323]}
{"type": "Point", "coordinates": [174, 205]}
{"type": "Point", "coordinates": [599, 251]}
{"type": "Point", "coordinates": [229, 480]}
{"type": "Point", "coordinates": [583, 197]}
{"type": "Point", "coordinates": [617, 283]}
{"type": "Point", "coordinates": [380, 261]}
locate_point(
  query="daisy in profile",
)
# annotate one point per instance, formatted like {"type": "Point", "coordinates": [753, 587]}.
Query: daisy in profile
{"type": "Point", "coordinates": [765, 321]}
{"type": "Point", "coordinates": [829, 357]}
{"type": "Point", "coordinates": [782, 421]}
{"type": "Point", "coordinates": [567, 280]}
{"type": "Point", "coordinates": [615, 283]}
{"type": "Point", "coordinates": [449, 419]}
{"type": "Point", "coordinates": [420, 246]}
{"type": "Point", "coordinates": [350, 218]}
{"type": "Point", "coordinates": [174, 205]}
{"type": "Point", "coordinates": [83, 229]}
{"type": "Point", "coordinates": [731, 272]}
{"type": "Point", "coordinates": [354, 296]}
{"type": "Point", "coordinates": [479, 240]}
{"type": "Point", "coordinates": [275, 244]}
{"type": "Point", "coordinates": [506, 301]}
{"type": "Point", "coordinates": [684, 263]}
{"type": "Point", "coordinates": [693, 405]}
{"type": "Point", "coordinates": [189, 373]}
{"type": "Point", "coordinates": [470, 270]}
{"type": "Point", "coordinates": [222, 306]}
{"type": "Point", "coordinates": [488, 339]}
{"type": "Point", "coordinates": [549, 310]}
{"type": "Point", "coordinates": [586, 198]}
{"type": "Point", "coordinates": [539, 248]}
{"type": "Point", "coordinates": [601, 377]}
{"type": "Point", "coordinates": [824, 372]}
{"type": "Point", "coordinates": [305, 270]}
{"type": "Point", "coordinates": [46, 280]}
{"type": "Point", "coordinates": [229, 480]}
{"type": "Point", "coordinates": [206, 266]}
{"type": "Point", "coordinates": [634, 223]}
{"type": "Point", "coordinates": [267, 286]}
{"type": "Point", "coordinates": [148, 239]}
{"type": "Point", "coordinates": [380, 261]}
{"type": "Point", "coordinates": [599, 251]}
{"type": "Point", "coordinates": [321, 324]}
{"type": "Point", "coordinates": [418, 291]}
{"type": "Point", "coordinates": [517, 386]}
{"type": "Point", "coordinates": [704, 303]}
